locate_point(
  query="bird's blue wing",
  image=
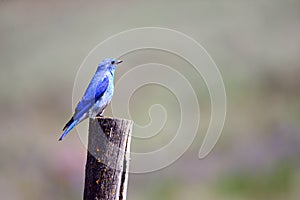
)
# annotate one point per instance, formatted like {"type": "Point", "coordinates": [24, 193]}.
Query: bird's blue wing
{"type": "Point", "coordinates": [92, 95]}
{"type": "Point", "coordinates": [101, 88]}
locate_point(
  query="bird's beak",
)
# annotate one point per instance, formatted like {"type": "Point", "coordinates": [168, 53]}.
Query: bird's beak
{"type": "Point", "coordinates": [119, 61]}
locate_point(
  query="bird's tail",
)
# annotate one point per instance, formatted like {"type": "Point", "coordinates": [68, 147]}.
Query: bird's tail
{"type": "Point", "coordinates": [69, 126]}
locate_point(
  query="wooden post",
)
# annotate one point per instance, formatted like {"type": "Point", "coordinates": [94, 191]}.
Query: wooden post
{"type": "Point", "coordinates": [106, 173]}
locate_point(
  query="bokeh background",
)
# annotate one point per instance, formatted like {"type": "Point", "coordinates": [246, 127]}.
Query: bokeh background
{"type": "Point", "coordinates": [256, 46]}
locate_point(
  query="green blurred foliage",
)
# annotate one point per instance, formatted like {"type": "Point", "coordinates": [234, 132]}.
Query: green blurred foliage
{"type": "Point", "coordinates": [261, 185]}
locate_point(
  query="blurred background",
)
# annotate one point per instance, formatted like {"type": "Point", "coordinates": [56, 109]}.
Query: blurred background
{"type": "Point", "coordinates": [256, 46]}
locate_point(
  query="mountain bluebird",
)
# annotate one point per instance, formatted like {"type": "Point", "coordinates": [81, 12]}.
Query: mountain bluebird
{"type": "Point", "coordinates": [97, 95]}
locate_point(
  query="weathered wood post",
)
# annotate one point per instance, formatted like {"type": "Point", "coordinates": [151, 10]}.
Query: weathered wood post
{"type": "Point", "coordinates": [106, 173]}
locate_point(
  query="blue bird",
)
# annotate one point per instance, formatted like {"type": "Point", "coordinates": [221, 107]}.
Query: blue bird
{"type": "Point", "coordinates": [97, 95]}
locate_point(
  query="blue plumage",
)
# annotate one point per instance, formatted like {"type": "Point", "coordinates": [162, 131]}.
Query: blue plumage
{"type": "Point", "coordinates": [97, 95]}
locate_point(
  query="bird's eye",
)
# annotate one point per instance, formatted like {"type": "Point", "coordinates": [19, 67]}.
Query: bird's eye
{"type": "Point", "coordinates": [113, 62]}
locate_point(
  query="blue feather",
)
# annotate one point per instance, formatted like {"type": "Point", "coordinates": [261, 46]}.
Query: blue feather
{"type": "Point", "coordinates": [72, 125]}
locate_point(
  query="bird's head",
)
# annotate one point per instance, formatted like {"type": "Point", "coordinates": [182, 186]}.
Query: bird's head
{"type": "Point", "coordinates": [109, 64]}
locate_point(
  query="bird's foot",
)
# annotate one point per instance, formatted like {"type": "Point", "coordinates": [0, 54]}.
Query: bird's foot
{"type": "Point", "coordinates": [99, 117]}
